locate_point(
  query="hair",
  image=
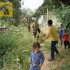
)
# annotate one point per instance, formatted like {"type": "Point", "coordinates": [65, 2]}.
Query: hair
{"type": "Point", "coordinates": [61, 25]}
{"type": "Point", "coordinates": [36, 45]}
{"type": "Point", "coordinates": [50, 22]}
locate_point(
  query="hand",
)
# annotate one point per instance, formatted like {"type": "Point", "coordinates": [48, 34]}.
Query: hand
{"type": "Point", "coordinates": [41, 40]}
{"type": "Point", "coordinates": [40, 66]}
{"type": "Point", "coordinates": [30, 61]}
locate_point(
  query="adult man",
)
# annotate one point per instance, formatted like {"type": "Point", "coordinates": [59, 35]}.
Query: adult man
{"type": "Point", "coordinates": [28, 23]}
{"type": "Point", "coordinates": [52, 31]}
{"type": "Point", "coordinates": [36, 29]}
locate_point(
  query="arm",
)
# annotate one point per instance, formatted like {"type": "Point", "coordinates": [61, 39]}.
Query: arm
{"type": "Point", "coordinates": [49, 32]}
{"type": "Point", "coordinates": [41, 60]}
{"type": "Point", "coordinates": [30, 59]}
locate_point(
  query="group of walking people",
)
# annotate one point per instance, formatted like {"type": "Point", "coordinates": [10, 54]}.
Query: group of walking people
{"type": "Point", "coordinates": [64, 37]}
{"type": "Point", "coordinates": [37, 57]}
{"type": "Point", "coordinates": [33, 26]}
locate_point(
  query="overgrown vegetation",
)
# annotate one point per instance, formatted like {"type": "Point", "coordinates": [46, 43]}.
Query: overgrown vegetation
{"type": "Point", "coordinates": [15, 47]}
{"type": "Point", "coordinates": [16, 42]}
{"type": "Point", "coordinates": [63, 15]}
{"type": "Point", "coordinates": [65, 65]}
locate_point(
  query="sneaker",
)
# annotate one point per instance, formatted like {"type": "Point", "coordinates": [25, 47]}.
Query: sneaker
{"type": "Point", "coordinates": [51, 59]}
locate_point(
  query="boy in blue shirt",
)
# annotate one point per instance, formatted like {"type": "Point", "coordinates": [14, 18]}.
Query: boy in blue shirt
{"type": "Point", "coordinates": [61, 33]}
{"type": "Point", "coordinates": [36, 58]}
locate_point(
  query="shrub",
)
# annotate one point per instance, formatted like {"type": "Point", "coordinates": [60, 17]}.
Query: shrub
{"type": "Point", "coordinates": [15, 48]}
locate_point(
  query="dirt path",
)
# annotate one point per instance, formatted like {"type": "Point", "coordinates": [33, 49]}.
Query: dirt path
{"type": "Point", "coordinates": [46, 65]}
{"type": "Point", "coordinates": [50, 65]}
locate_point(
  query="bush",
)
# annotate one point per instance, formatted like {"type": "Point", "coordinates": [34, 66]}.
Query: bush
{"type": "Point", "coordinates": [15, 48]}
{"type": "Point", "coordinates": [63, 14]}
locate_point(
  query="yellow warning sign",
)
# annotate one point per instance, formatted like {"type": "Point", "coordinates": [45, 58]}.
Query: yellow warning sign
{"type": "Point", "coordinates": [6, 9]}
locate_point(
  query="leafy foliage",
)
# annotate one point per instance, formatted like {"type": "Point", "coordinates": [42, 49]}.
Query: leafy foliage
{"type": "Point", "coordinates": [27, 12]}
{"type": "Point", "coordinates": [63, 14]}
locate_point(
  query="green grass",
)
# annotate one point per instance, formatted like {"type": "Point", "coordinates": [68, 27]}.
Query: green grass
{"type": "Point", "coordinates": [65, 57]}
{"type": "Point", "coordinates": [65, 65]}
{"type": "Point", "coordinates": [15, 47]}
{"type": "Point", "coordinates": [47, 46]}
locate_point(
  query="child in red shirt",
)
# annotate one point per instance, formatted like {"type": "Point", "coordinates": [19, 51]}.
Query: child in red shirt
{"type": "Point", "coordinates": [65, 37]}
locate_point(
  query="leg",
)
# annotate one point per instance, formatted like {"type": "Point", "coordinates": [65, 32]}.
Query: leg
{"type": "Point", "coordinates": [68, 45]}
{"type": "Point", "coordinates": [52, 52]}
{"type": "Point", "coordinates": [61, 40]}
{"type": "Point", "coordinates": [34, 33]}
{"type": "Point", "coordinates": [28, 28]}
{"type": "Point", "coordinates": [65, 44]}
{"type": "Point", "coordinates": [39, 30]}
{"type": "Point", "coordinates": [55, 49]}
{"type": "Point", "coordinates": [53, 43]}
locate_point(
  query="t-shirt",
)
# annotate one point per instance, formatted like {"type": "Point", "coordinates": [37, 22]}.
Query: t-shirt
{"type": "Point", "coordinates": [52, 31]}
{"type": "Point", "coordinates": [35, 26]}
{"type": "Point", "coordinates": [37, 58]}
{"type": "Point", "coordinates": [61, 32]}
{"type": "Point", "coordinates": [65, 37]}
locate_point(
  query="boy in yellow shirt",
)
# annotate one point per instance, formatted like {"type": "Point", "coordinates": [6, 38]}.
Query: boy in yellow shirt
{"type": "Point", "coordinates": [52, 31]}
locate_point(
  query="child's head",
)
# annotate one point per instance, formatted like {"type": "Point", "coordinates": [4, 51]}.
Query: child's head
{"type": "Point", "coordinates": [65, 31]}
{"type": "Point", "coordinates": [50, 22]}
{"type": "Point", "coordinates": [61, 25]}
{"type": "Point", "coordinates": [36, 47]}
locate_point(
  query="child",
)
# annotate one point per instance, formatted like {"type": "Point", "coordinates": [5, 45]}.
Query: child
{"type": "Point", "coordinates": [36, 58]}
{"type": "Point", "coordinates": [52, 31]}
{"type": "Point", "coordinates": [61, 31]}
{"type": "Point", "coordinates": [66, 40]}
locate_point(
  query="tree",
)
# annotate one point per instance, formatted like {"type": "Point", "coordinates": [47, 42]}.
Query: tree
{"type": "Point", "coordinates": [15, 19]}
{"type": "Point", "coordinates": [27, 12]}
{"type": "Point", "coordinates": [63, 14]}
